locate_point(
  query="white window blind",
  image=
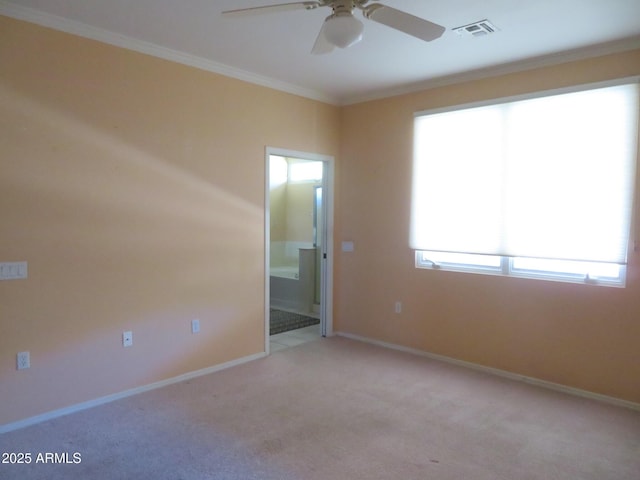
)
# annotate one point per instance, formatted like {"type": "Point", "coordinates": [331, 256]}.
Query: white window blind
{"type": "Point", "coordinates": [549, 177]}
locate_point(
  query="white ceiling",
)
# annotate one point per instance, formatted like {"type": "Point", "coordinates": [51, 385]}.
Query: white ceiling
{"type": "Point", "coordinates": [274, 49]}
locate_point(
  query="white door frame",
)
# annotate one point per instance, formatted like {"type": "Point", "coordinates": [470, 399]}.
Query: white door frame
{"type": "Point", "coordinates": [326, 275]}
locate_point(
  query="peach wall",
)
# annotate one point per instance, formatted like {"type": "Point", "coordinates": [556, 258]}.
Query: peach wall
{"type": "Point", "coordinates": [278, 213]}
{"type": "Point", "coordinates": [134, 187]}
{"type": "Point", "coordinates": [581, 336]}
{"type": "Point", "coordinates": [300, 201]}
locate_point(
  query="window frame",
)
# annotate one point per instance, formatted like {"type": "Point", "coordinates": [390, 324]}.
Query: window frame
{"type": "Point", "coordinates": [305, 179]}
{"type": "Point", "coordinates": [506, 267]}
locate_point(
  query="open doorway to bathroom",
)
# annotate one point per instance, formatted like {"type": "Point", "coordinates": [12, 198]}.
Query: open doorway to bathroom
{"type": "Point", "coordinates": [298, 237]}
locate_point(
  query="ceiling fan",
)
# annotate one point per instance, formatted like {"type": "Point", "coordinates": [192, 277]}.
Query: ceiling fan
{"type": "Point", "coordinates": [342, 29]}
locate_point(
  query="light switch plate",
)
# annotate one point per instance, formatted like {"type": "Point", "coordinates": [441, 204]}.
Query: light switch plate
{"type": "Point", "coordinates": [13, 270]}
{"type": "Point", "coordinates": [347, 246]}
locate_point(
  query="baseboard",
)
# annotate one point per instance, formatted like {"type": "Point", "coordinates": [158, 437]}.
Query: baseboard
{"type": "Point", "coordinates": [494, 371]}
{"type": "Point", "coordinates": [8, 427]}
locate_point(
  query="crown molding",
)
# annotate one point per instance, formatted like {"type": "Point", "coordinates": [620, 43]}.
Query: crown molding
{"type": "Point", "coordinates": [105, 36]}
{"type": "Point", "coordinates": [558, 58]}
{"type": "Point", "coordinates": [123, 41]}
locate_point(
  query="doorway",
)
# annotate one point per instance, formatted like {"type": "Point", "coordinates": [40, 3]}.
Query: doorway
{"type": "Point", "coordinates": [298, 247]}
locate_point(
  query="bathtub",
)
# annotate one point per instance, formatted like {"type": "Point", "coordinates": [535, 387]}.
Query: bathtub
{"type": "Point", "coordinates": [290, 272]}
{"type": "Point", "coordinates": [292, 287]}
{"type": "Point", "coordinates": [284, 284]}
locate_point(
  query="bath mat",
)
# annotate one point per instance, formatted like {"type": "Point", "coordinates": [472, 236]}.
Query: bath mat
{"type": "Point", "coordinates": [281, 321]}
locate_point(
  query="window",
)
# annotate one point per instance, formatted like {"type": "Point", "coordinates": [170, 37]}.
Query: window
{"type": "Point", "coordinates": [610, 274]}
{"type": "Point", "coordinates": [539, 188]}
{"type": "Point", "coordinates": [305, 171]}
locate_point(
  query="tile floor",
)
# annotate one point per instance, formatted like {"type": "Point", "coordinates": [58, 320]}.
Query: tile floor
{"type": "Point", "coordinates": [292, 338]}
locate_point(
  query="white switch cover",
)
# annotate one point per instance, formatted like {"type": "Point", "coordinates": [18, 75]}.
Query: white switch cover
{"type": "Point", "coordinates": [127, 339]}
{"type": "Point", "coordinates": [13, 270]}
{"type": "Point", "coordinates": [347, 246]}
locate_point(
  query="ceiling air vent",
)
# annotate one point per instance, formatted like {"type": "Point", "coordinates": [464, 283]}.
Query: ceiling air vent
{"type": "Point", "coordinates": [477, 29]}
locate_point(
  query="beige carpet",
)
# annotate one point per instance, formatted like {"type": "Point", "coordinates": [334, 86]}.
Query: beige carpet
{"type": "Point", "coordinates": [339, 409]}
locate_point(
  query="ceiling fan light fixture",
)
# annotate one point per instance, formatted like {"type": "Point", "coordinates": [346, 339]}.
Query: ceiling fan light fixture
{"type": "Point", "coordinates": [343, 29]}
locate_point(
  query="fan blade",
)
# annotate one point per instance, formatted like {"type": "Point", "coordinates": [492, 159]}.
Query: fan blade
{"type": "Point", "coordinates": [281, 7]}
{"type": "Point", "coordinates": [322, 45]}
{"type": "Point", "coordinates": [405, 22]}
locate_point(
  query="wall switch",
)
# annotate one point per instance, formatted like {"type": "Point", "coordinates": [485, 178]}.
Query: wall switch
{"type": "Point", "coordinates": [23, 360]}
{"type": "Point", "coordinates": [13, 270]}
{"type": "Point", "coordinates": [398, 307]}
{"type": "Point", "coordinates": [195, 326]}
{"type": "Point", "coordinates": [127, 339]}
{"type": "Point", "coordinates": [348, 246]}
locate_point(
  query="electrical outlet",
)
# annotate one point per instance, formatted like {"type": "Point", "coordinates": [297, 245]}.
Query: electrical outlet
{"type": "Point", "coordinates": [23, 360]}
{"type": "Point", "coordinates": [195, 325]}
{"type": "Point", "coordinates": [398, 307]}
{"type": "Point", "coordinates": [127, 339]}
